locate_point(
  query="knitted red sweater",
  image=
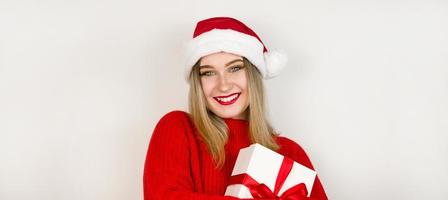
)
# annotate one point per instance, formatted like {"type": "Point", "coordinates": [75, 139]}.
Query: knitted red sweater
{"type": "Point", "coordinates": [178, 165]}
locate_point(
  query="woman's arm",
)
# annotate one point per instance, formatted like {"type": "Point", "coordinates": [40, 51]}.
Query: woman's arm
{"type": "Point", "coordinates": [167, 174]}
{"type": "Point", "coordinates": [294, 151]}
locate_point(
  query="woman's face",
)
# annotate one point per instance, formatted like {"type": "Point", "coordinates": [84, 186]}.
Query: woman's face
{"type": "Point", "coordinates": [224, 83]}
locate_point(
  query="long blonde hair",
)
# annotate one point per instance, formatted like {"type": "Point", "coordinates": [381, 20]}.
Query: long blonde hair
{"type": "Point", "coordinates": [214, 130]}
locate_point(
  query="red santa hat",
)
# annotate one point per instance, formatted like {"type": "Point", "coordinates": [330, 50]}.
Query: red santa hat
{"type": "Point", "coordinates": [230, 35]}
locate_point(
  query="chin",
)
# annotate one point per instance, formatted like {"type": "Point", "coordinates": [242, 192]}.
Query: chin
{"type": "Point", "coordinates": [230, 112]}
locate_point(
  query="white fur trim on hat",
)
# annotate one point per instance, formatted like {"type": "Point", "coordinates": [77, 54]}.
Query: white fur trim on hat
{"type": "Point", "coordinates": [225, 40]}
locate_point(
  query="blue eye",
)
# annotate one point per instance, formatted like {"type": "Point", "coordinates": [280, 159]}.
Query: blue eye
{"type": "Point", "coordinates": [207, 73]}
{"type": "Point", "coordinates": [235, 68]}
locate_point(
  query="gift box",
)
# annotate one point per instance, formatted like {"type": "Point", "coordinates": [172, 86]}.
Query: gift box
{"type": "Point", "coordinates": [261, 173]}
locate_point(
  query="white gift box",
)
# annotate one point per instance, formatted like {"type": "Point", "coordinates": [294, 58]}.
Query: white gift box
{"type": "Point", "coordinates": [263, 165]}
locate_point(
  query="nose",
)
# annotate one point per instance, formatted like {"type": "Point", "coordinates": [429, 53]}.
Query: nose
{"type": "Point", "coordinates": [225, 84]}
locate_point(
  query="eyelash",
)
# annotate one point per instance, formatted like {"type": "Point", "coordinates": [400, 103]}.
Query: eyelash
{"type": "Point", "coordinates": [239, 68]}
{"type": "Point", "coordinates": [205, 73]}
{"type": "Point", "coordinates": [231, 70]}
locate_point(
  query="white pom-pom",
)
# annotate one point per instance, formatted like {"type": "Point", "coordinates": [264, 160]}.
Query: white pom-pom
{"type": "Point", "coordinates": [275, 62]}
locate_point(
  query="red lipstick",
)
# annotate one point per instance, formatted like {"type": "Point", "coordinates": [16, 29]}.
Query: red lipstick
{"type": "Point", "coordinates": [227, 100]}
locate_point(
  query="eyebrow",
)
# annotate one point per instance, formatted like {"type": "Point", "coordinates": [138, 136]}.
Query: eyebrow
{"type": "Point", "coordinates": [229, 63]}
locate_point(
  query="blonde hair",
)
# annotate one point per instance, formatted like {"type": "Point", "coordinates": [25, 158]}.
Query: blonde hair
{"type": "Point", "coordinates": [213, 129]}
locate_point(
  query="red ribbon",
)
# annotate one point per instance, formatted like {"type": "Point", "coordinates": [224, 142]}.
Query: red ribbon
{"type": "Point", "coordinates": [261, 191]}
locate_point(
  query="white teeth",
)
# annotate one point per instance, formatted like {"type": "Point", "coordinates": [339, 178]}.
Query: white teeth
{"type": "Point", "coordinates": [228, 98]}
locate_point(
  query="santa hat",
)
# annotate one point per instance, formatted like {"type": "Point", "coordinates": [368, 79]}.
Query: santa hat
{"type": "Point", "coordinates": [232, 36]}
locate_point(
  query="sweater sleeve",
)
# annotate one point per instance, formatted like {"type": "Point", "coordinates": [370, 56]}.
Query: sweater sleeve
{"type": "Point", "coordinates": [167, 167]}
{"type": "Point", "coordinates": [296, 152]}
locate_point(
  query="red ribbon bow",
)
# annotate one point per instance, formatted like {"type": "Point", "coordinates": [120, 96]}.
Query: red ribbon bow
{"type": "Point", "coordinates": [261, 191]}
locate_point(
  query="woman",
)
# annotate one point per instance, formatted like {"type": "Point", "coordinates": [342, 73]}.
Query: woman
{"type": "Point", "coordinates": [191, 155]}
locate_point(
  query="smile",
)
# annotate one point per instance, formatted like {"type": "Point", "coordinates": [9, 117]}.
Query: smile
{"type": "Point", "coordinates": [227, 100]}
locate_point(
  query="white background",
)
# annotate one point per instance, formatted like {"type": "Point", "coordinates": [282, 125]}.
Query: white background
{"type": "Point", "coordinates": [83, 83]}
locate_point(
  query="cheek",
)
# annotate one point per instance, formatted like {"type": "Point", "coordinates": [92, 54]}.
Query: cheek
{"type": "Point", "coordinates": [242, 81]}
{"type": "Point", "coordinates": [207, 87]}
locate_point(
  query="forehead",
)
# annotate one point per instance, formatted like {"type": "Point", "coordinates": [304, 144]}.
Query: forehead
{"type": "Point", "coordinates": [219, 59]}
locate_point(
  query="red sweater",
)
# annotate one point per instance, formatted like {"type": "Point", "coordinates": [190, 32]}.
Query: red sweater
{"type": "Point", "coordinates": [178, 165]}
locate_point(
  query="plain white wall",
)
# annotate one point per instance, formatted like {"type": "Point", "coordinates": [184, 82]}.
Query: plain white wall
{"type": "Point", "coordinates": [83, 83]}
